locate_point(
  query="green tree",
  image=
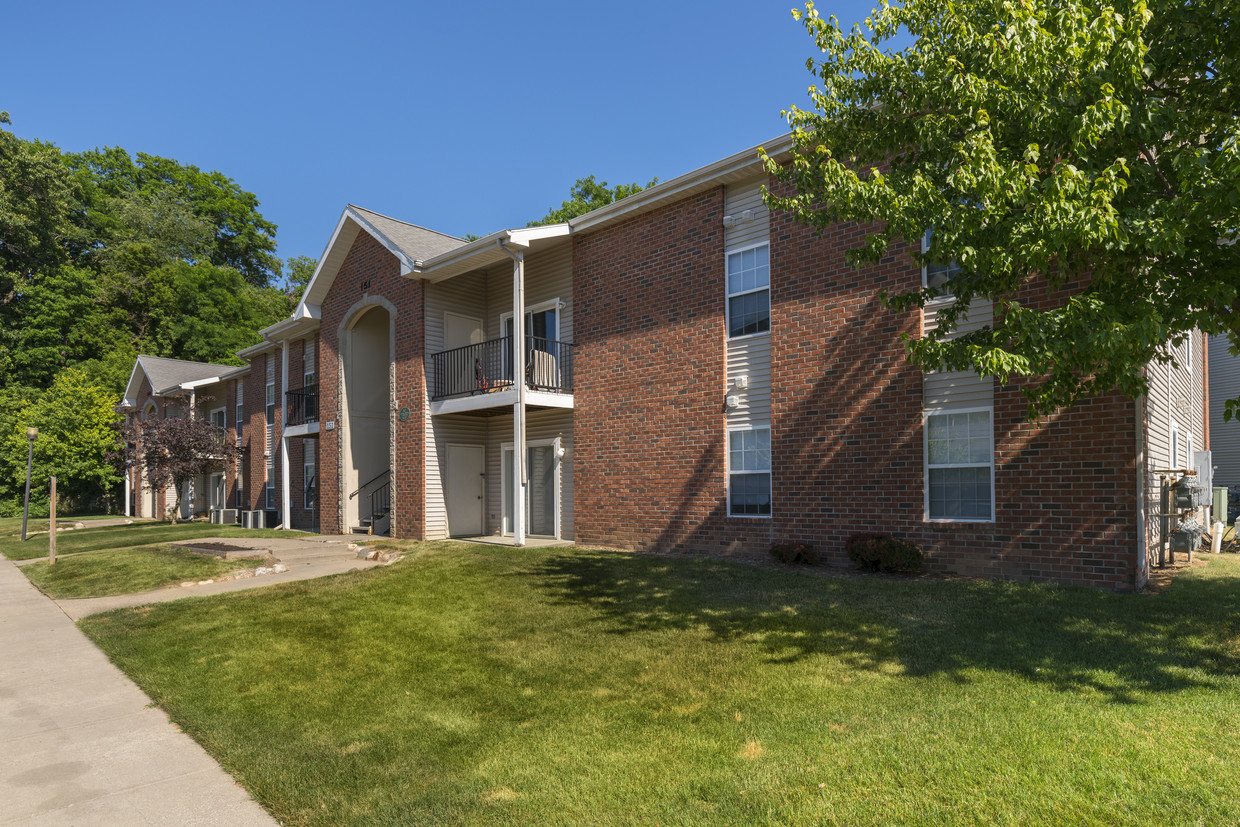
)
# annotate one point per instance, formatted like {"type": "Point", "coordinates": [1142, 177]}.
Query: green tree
{"type": "Point", "coordinates": [77, 424]}
{"type": "Point", "coordinates": [298, 272]}
{"type": "Point", "coordinates": [149, 194]}
{"type": "Point", "coordinates": [176, 450]}
{"type": "Point", "coordinates": [1044, 143]}
{"type": "Point", "coordinates": [588, 195]}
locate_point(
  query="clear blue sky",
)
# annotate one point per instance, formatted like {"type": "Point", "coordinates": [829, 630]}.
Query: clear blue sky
{"type": "Point", "coordinates": [466, 117]}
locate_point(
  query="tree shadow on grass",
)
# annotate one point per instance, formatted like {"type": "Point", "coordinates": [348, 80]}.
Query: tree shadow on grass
{"type": "Point", "coordinates": [1072, 639]}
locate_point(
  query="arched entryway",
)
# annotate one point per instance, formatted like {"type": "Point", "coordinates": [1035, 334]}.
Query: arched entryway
{"type": "Point", "coordinates": [367, 442]}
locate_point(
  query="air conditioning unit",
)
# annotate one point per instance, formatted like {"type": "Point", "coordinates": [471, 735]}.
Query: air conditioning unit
{"type": "Point", "coordinates": [253, 519]}
{"type": "Point", "coordinates": [272, 520]}
{"type": "Point", "coordinates": [223, 516]}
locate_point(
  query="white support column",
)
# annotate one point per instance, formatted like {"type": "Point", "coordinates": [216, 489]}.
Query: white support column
{"type": "Point", "coordinates": [519, 481]}
{"type": "Point", "coordinates": [287, 514]}
{"type": "Point", "coordinates": [286, 511]}
{"type": "Point", "coordinates": [128, 490]}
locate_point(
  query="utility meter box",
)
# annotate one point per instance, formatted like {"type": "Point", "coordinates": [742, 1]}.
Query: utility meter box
{"type": "Point", "coordinates": [1187, 536]}
{"type": "Point", "coordinates": [1187, 492]}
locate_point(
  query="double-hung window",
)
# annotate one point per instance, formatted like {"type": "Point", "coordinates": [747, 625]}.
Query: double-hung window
{"type": "Point", "coordinates": [937, 276]}
{"type": "Point", "coordinates": [960, 465]}
{"type": "Point", "coordinates": [749, 472]}
{"type": "Point", "coordinates": [749, 292]}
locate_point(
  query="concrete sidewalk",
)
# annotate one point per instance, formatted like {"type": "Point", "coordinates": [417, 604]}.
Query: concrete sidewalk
{"type": "Point", "coordinates": [306, 556]}
{"type": "Point", "coordinates": [79, 743]}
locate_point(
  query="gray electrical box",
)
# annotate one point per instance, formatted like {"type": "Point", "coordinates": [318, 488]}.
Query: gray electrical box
{"type": "Point", "coordinates": [1187, 536]}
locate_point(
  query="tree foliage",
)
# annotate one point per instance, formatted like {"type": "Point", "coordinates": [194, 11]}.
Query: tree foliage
{"type": "Point", "coordinates": [77, 424]}
{"type": "Point", "coordinates": [104, 255]}
{"type": "Point", "coordinates": [176, 450]}
{"type": "Point", "coordinates": [1045, 143]}
{"type": "Point", "coordinates": [588, 195]}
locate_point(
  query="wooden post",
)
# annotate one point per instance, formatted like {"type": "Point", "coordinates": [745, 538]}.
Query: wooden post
{"type": "Point", "coordinates": [51, 528]}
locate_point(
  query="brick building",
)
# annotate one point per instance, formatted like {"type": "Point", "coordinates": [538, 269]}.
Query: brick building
{"type": "Point", "coordinates": [695, 375]}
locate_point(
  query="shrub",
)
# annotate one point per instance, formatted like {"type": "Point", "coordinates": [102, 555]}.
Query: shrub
{"type": "Point", "coordinates": [791, 553]}
{"type": "Point", "coordinates": [882, 552]}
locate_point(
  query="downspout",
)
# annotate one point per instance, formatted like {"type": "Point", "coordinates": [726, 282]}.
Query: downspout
{"type": "Point", "coordinates": [1141, 576]}
{"type": "Point", "coordinates": [286, 521]}
{"type": "Point", "coordinates": [519, 481]}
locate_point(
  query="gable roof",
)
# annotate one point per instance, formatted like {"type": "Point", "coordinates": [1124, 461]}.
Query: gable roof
{"type": "Point", "coordinates": [410, 244]}
{"type": "Point", "coordinates": [169, 374]}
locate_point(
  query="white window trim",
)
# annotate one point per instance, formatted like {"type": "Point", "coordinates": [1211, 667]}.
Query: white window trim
{"type": "Point", "coordinates": [937, 301]}
{"type": "Point", "coordinates": [506, 479]}
{"type": "Point", "coordinates": [212, 490]}
{"type": "Point", "coordinates": [728, 295]}
{"type": "Point", "coordinates": [925, 463]}
{"type": "Point", "coordinates": [727, 468]}
{"type": "Point", "coordinates": [304, 466]}
{"type": "Point", "coordinates": [530, 309]}
{"type": "Point", "coordinates": [220, 410]}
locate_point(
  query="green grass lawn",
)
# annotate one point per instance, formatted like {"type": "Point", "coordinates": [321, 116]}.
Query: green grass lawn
{"type": "Point", "coordinates": [485, 685]}
{"type": "Point", "coordinates": [127, 571]}
{"type": "Point", "coordinates": [112, 537]}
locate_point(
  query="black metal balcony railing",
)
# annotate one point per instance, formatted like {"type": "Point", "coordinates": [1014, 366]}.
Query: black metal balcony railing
{"type": "Point", "coordinates": [487, 367]}
{"type": "Point", "coordinates": [302, 406]}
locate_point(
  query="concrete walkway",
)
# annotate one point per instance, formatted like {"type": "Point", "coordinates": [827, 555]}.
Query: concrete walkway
{"type": "Point", "coordinates": [81, 745]}
{"type": "Point", "coordinates": [306, 557]}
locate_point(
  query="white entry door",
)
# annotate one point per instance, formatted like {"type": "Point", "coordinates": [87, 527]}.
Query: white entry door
{"type": "Point", "coordinates": [465, 484]}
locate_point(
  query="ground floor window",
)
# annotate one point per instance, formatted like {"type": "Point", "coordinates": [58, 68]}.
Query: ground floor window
{"type": "Point", "coordinates": [960, 465]}
{"type": "Point", "coordinates": [749, 472]}
{"type": "Point", "coordinates": [309, 481]}
{"type": "Point", "coordinates": [271, 493]}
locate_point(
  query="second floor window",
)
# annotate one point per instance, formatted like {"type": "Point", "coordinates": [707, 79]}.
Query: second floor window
{"type": "Point", "coordinates": [937, 276]}
{"type": "Point", "coordinates": [749, 294]}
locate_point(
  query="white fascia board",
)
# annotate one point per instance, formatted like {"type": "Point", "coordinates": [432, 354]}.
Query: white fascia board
{"type": "Point", "coordinates": [461, 254]}
{"type": "Point", "coordinates": [525, 235]}
{"type": "Point", "coordinates": [486, 251]}
{"type": "Point", "coordinates": [670, 190]}
{"type": "Point", "coordinates": [131, 388]}
{"type": "Point", "coordinates": [198, 383]}
{"type": "Point", "coordinates": [253, 350]}
{"type": "Point", "coordinates": [318, 269]}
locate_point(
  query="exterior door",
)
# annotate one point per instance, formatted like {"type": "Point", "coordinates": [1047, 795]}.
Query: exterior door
{"type": "Point", "coordinates": [461, 331]}
{"type": "Point", "coordinates": [466, 483]}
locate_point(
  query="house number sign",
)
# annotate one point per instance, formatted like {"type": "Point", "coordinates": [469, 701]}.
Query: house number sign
{"type": "Point", "coordinates": [365, 285]}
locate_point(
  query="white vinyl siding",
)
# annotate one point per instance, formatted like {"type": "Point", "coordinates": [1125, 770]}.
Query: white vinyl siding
{"type": "Point", "coordinates": [458, 429]}
{"type": "Point", "coordinates": [1175, 400]}
{"type": "Point", "coordinates": [748, 356]}
{"type": "Point", "coordinates": [1224, 436]}
{"type": "Point", "coordinates": [487, 295]}
{"type": "Point", "coordinates": [959, 465]}
{"type": "Point", "coordinates": [539, 426]}
{"type": "Point", "coordinates": [749, 471]}
{"type": "Point", "coordinates": [751, 220]}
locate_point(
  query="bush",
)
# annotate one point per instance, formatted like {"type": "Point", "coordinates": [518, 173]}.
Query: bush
{"type": "Point", "coordinates": [791, 553]}
{"type": "Point", "coordinates": [882, 552]}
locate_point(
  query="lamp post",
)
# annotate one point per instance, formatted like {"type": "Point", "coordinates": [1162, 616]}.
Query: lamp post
{"type": "Point", "coordinates": [31, 433]}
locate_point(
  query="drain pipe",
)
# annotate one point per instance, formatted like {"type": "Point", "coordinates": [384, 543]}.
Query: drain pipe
{"type": "Point", "coordinates": [518, 409]}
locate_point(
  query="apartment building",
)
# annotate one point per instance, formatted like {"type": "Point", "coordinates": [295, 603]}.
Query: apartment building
{"type": "Point", "coordinates": [680, 371]}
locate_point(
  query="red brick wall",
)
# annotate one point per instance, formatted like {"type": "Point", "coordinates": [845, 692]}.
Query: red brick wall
{"type": "Point", "coordinates": [846, 416]}
{"type": "Point", "coordinates": [369, 264]}
{"type": "Point", "coordinates": [847, 438]}
{"type": "Point", "coordinates": [648, 423]}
